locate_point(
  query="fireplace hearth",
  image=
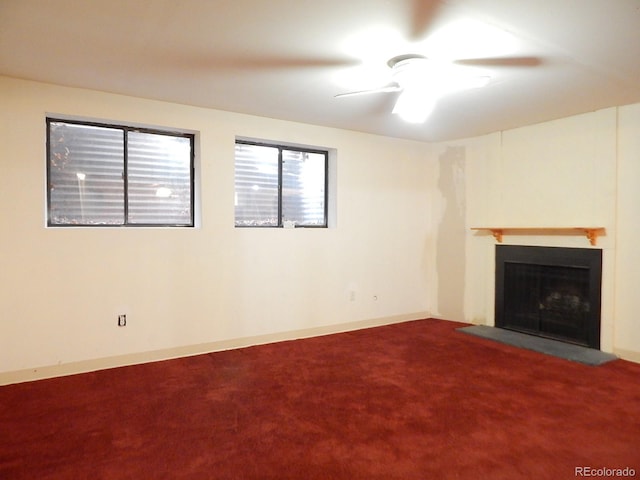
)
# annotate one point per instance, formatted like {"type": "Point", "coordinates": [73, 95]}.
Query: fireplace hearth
{"type": "Point", "coordinates": [551, 292]}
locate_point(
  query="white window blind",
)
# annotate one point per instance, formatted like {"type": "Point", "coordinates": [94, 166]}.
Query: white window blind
{"type": "Point", "coordinates": [303, 187]}
{"type": "Point", "coordinates": [86, 180]}
{"type": "Point", "coordinates": [256, 181]}
{"type": "Point", "coordinates": [159, 179]}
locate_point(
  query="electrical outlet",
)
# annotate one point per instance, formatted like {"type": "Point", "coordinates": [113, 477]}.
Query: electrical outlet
{"type": "Point", "coordinates": [122, 320]}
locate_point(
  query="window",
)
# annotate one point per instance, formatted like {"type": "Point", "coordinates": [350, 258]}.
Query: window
{"type": "Point", "coordinates": [101, 175]}
{"type": "Point", "coordinates": [277, 186]}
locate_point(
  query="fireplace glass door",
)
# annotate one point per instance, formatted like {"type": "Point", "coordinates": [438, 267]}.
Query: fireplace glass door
{"type": "Point", "coordinates": [548, 300]}
{"type": "Point", "coordinates": [553, 293]}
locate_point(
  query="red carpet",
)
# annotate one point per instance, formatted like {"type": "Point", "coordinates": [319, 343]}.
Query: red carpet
{"type": "Point", "coordinates": [416, 400]}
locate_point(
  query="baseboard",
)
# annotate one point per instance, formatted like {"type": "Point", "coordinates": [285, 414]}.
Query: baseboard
{"type": "Point", "coordinates": [627, 355]}
{"type": "Point", "coordinates": [92, 365]}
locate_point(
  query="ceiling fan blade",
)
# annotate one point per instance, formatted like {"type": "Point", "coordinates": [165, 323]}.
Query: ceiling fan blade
{"type": "Point", "coordinates": [387, 89]}
{"type": "Point", "coordinates": [281, 62]}
{"type": "Point", "coordinates": [423, 14]}
{"type": "Point", "coordinates": [235, 63]}
{"type": "Point", "coordinates": [500, 62]}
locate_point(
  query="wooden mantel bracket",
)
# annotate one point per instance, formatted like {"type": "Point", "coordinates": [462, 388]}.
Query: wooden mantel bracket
{"type": "Point", "coordinates": [591, 233]}
{"type": "Point", "coordinates": [497, 234]}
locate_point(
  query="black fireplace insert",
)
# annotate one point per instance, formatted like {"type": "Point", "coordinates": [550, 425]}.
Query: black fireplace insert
{"type": "Point", "coordinates": [551, 292]}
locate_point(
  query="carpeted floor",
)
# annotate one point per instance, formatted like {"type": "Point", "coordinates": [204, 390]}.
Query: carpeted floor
{"type": "Point", "coordinates": [417, 400]}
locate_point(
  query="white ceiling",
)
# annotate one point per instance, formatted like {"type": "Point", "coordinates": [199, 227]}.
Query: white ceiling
{"type": "Point", "coordinates": [281, 58]}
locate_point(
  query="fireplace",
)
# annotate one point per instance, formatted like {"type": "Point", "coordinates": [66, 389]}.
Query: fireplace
{"type": "Point", "coordinates": [551, 292]}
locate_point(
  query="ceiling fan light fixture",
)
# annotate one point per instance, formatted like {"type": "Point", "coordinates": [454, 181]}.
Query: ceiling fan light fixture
{"type": "Point", "coordinates": [414, 105]}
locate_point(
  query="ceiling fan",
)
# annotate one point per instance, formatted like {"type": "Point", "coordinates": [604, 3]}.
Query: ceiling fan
{"type": "Point", "coordinates": [443, 49]}
{"type": "Point", "coordinates": [421, 81]}
{"type": "Point", "coordinates": [457, 60]}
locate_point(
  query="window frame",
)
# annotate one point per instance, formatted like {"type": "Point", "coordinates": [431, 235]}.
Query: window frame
{"type": "Point", "coordinates": [125, 129]}
{"type": "Point", "coordinates": [294, 148]}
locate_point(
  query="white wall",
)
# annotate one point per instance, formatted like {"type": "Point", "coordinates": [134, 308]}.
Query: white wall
{"type": "Point", "coordinates": [402, 234]}
{"type": "Point", "coordinates": [627, 278]}
{"type": "Point", "coordinates": [62, 288]}
{"type": "Point", "coordinates": [572, 172]}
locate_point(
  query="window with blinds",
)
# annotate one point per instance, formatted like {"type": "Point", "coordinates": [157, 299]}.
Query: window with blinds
{"type": "Point", "coordinates": [100, 175]}
{"type": "Point", "coordinates": [277, 186]}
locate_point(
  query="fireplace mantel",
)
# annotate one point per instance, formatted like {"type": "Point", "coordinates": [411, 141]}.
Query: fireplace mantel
{"type": "Point", "coordinates": [590, 232]}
